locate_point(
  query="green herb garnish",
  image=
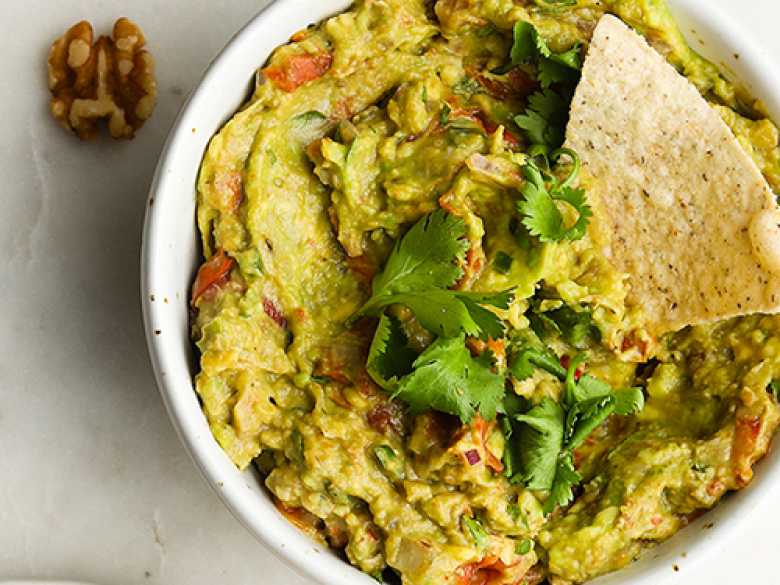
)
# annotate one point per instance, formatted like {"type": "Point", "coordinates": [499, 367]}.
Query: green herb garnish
{"type": "Point", "coordinates": [550, 432]}
{"type": "Point", "coordinates": [424, 263]}
{"type": "Point", "coordinates": [545, 118]}
{"type": "Point", "coordinates": [477, 532]}
{"type": "Point", "coordinates": [542, 193]}
{"type": "Point", "coordinates": [448, 379]}
{"type": "Point", "coordinates": [389, 357]}
{"type": "Point", "coordinates": [390, 462]}
{"type": "Point", "coordinates": [547, 113]}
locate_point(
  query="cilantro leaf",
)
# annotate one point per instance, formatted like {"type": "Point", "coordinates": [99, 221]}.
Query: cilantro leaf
{"type": "Point", "coordinates": [448, 313]}
{"type": "Point", "coordinates": [573, 325]}
{"type": "Point", "coordinates": [544, 120]}
{"type": "Point", "coordinates": [629, 401]}
{"type": "Point", "coordinates": [448, 379]}
{"type": "Point", "coordinates": [418, 274]}
{"type": "Point", "coordinates": [584, 417]}
{"type": "Point", "coordinates": [389, 357]}
{"type": "Point", "coordinates": [523, 362]}
{"type": "Point", "coordinates": [425, 256]}
{"type": "Point", "coordinates": [541, 441]}
{"type": "Point", "coordinates": [541, 216]}
{"type": "Point", "coordinates": [528, 46]}
{"type": "Point", "coordinates": [550, 71]}
{"type": "Point", "coordinates": [524, 43]}
{"type": "Point", "coordinates": [566, 477]}
{"type": "Point", "coordinates": [547, 112]}
{"type": "Point", "coordinates": [575, 198]}
{"type": "Point", "coordinates": [539, 207]}
{"type": "Point", "coordinates": [571, 58]}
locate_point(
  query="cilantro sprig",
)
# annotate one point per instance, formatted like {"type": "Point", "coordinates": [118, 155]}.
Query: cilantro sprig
{"type": "Point", "coordinates": [444, 377]}
{"type": "Point", "coordinates": [541, 441]}
{"type": "Point", "coordinates": [573, 325]}
{"type": "Point", "coordinates": [543, 192]}
{"type": "Point", "coordinates": [544, 120]}
{"type": "Point", "coordinates": [546, 115]}
{"type": "Point", "coordinates": [422, 267]}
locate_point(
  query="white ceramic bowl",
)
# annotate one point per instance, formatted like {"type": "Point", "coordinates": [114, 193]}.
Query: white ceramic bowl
{"type": "Point", "coordinates": [170, 256]}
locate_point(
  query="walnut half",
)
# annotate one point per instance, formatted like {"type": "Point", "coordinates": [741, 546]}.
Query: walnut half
{"type": "Point", "coordinates": [112, 79]}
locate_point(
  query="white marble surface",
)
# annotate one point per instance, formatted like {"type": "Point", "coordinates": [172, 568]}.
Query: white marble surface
{"type": "Point", "coordinates": [94, 484]}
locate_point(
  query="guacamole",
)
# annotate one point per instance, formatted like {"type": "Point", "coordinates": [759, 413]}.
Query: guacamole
{"type": "Point", "coordinates": [406, 321]}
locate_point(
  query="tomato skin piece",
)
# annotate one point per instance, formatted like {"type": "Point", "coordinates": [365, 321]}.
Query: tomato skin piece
{"type": "Point", "coordinates": [484, 429]}
{"type": "Point", "coordinates": [747, 430]}
{"type": "Point", "coordinates": [274, 312]}
{"type": "Point", "coordinates": [484, 572]}
{"type": "Point", "coordinates": [298, 69]}
{"type": "Point", "coordinates": [215, 272]}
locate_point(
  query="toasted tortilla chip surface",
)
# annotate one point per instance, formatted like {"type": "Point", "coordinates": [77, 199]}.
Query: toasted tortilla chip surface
{"type": "Point", "coordinates": [689, 213]}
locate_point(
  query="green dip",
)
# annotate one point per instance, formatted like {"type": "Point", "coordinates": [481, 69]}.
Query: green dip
{"type": "Point", "coordinates": [357, 129]}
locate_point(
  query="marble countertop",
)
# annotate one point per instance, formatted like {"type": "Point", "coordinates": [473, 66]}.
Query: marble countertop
{"type": "Point", "coordinates": [94, 485]}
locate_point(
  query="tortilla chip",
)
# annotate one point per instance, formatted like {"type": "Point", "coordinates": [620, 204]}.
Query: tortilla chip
{"type": "Point", "coordinates": [692, 220]}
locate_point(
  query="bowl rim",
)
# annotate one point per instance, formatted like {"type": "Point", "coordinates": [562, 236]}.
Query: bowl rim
{"type": "Point", "coordinates": [300, 553]}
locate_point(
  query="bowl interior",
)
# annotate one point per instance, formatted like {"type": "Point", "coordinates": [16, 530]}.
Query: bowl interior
{"type": "Point", "coordinates": [170, 256]}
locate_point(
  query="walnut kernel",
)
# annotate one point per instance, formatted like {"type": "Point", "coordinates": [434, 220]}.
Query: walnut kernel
{"type": "Point", "coordinates": [111, 79]}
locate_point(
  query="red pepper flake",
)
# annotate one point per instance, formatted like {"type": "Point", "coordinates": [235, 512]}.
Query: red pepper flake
{"type": "Point", "coordinates": [472, 456]}
{"type": "Point", "coordinates": [274, 313]}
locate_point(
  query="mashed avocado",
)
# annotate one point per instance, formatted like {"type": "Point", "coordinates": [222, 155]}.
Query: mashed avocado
{"type": "Point", "coordinates": [358, 128]}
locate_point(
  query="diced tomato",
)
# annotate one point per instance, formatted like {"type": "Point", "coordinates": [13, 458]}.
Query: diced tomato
{"type": "Point", "coordinates": [386, 417]}
{"type": "Point", "coordinates": [336, 531]}
{"type": "Point", "coordinates": [510, 139]}
{"type": "Point", "coordinates": [484, 572]}
{"type": "Point", "coordinates": [366, 385]}
{"type": "Point", "coordinates": [274, 312]}
{"type": "Point", "coordinates": [441, 428]}
{"type": "Point", "coordinates": [337, 396]}
{"type": "Point", "coordinates": [498, 348]}
{"type": "Point", "coordinates": [495, 87]}
{"type": "Point", "coordinates": [631, 341]}
{"type": "Point", "coordinates": [475, 260]}
{"type": "Point", "coordinates": [328, 369]}
{"type": "Point", "coordinates": [300, 35]}
{"type": "Point", "coordinates": [212, 274]}
{"type": "Point", "coordinates": [363, 268]}
{"type": "Point", "coordinates": [298, 69]}
{"type": "Point", "coordinates": [743, 449]}
{"type": "Point", "coordinates": [484, 429]}
{"type": "Point", "coordinates": [299, 517]}
{"type": "Point", "coordinates": [516, 84]}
